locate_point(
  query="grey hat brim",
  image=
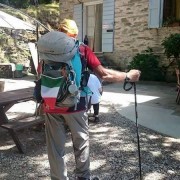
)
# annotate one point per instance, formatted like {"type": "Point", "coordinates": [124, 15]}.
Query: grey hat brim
{"type": "Point", "coordinates": [56, 46]}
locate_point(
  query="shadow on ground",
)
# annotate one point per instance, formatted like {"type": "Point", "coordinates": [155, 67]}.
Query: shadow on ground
{"type": "Point", "coordinates": [113, 153]}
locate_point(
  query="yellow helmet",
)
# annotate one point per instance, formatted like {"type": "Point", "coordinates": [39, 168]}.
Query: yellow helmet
{"type": "Point", "coordinates": [70, 26]}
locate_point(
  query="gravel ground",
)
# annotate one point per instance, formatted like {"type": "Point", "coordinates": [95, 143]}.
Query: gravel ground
{"type": "Point", "coordinates": [114, 154]}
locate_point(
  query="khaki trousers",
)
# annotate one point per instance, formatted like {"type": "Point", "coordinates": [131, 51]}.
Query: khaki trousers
{"type": "Point", "coordinates": [56, 138]}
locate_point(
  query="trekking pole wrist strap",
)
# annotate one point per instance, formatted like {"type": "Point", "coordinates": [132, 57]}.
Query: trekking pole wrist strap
{"type": "Point", "coordinates": [127, 84]}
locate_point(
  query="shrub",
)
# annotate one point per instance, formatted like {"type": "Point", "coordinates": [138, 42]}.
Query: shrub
{"type": "Point", "coordinates": [171, 46]}
{"type": "Point", "coordinates": [148, 64]}
{"type": "Point", "coordinates": [19, 3]}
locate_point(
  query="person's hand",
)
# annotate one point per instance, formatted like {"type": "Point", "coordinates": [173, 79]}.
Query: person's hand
{"type": "Point", "coordinates": [133, 75]}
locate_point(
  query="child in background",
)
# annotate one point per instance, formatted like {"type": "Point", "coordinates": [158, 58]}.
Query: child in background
{"type": "Point", "coordinates": [95, 86]}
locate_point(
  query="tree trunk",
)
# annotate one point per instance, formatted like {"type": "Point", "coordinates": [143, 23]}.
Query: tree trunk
{"type": "Point", "coordinates": [178, 76]}
{"type": "Point", "coordinates": [2, 83]}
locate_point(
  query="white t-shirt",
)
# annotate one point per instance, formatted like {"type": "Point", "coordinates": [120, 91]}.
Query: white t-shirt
{"type": "Point", "coordinates": [96, 87]}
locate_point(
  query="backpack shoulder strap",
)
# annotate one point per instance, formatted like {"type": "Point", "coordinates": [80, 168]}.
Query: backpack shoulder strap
{"type": "Point", "coordinates": [83, 56]}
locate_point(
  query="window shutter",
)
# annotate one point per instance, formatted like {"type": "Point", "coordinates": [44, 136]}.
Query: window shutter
{"type": "Point", "coordinates": [77, 16]}
{"type": "Point", "coordinates": [155, 13]}
{"type": "Point", "coordinates": [108, 26]}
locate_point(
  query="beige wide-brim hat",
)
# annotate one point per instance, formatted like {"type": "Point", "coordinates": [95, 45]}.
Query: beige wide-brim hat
{"type": "Point", "coordinates": [70, 26]}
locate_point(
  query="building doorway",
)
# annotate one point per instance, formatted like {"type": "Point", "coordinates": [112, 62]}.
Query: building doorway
{"type": "Point", "coordinates": [93, 26]}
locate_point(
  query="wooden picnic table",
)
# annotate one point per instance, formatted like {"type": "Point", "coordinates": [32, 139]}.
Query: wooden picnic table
{"type": "Point", "coordinates": [7, 100]}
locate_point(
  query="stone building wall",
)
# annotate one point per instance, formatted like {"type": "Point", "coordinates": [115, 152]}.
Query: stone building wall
{"type": "Point", "coordinates": [132, 34]}
{"type": "Point", "coordinates": [66, 7]}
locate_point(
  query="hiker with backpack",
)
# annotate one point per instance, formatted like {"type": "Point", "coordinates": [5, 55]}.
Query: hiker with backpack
{"type": "Point", "coordinates": [64, 90]}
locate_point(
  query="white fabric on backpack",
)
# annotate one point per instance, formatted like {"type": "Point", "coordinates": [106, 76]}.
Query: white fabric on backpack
{"type": "Point", "coordinates": [96, 87]}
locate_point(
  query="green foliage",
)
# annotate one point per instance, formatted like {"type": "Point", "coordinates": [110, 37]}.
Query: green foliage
{"type": "Point", "coordinates": [3, 39]}
{"type": "Point", "coordinates": [15, 49]}
{"type": "Point", "coordinates": [171, 46]}
{"type": "Point", "coordinates": [19, 3]}
{"type": "Point", "coordinates": [47, 14]}
{"type": "Point", "coordinates": [45, 1]}
{"type": "Point", "coordinates": [148, 64]}
{"type": "Point", "coordinates": [25, 3]}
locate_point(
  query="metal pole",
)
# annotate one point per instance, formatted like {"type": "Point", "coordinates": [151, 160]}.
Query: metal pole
{"type": "Point", "coordinates": [133, 84]}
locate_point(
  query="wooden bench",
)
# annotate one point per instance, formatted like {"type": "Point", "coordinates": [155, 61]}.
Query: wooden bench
{"type": "Point", "coordinates": [7, 100]}
{"type": "Point", "coordinates": [19, 124]}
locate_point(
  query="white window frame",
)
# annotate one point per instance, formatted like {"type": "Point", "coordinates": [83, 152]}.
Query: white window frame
{"type": "Point", "coordinates": [93, 3]}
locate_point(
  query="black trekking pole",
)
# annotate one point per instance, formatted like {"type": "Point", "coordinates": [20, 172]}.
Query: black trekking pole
{"type": "Point", "coordinates": [133, 84]}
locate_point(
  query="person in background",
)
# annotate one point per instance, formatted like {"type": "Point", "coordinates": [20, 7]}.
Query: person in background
{"type": "Point", "coordinates": [77, 120]}
{"type": "Point", "coordinates": [86, 41]}
{"type": "Point", "coordinates": [96, 87]}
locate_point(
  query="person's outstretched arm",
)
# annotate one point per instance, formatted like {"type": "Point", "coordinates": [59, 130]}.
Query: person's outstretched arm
{"type": "Point", "coordinates": [116, 76]}
{"type": "Point", "coordinates": [104, 73]}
